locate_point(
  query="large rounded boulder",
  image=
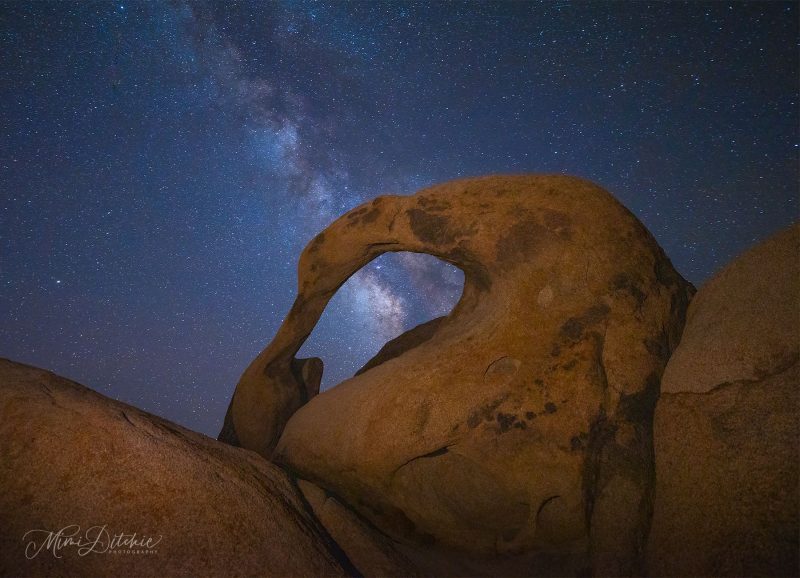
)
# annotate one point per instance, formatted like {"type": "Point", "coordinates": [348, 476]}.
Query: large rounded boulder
{"type": "Point", "coordinates": [519, 423]}
{"type": "Point", "coordinates": [93, 487]}
{"type": "Point", "coordinates": [726, 426]}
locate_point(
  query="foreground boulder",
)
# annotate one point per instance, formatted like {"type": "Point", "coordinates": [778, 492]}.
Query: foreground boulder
{"type": "Point", "coordinates": [75, 460]}
{"type": "Point", "coordinates": [521, 422]}
{"type": "Point", "coordinates": [726, 426]}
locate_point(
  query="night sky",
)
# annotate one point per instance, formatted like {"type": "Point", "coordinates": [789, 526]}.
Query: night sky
{"type": "Point", "coordinates": [163, 164]}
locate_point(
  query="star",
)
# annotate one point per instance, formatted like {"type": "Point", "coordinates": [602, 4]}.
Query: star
{"type": "Point", "coordinates": [171, 161]}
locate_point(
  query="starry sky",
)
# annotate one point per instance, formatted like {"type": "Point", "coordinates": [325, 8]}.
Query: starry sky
{"type": "Point", "coordinates": [162, 164]}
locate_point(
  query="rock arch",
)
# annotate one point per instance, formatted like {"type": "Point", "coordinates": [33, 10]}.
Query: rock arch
{"type": "Point", "coordinates": [523, 423]}
{"type": "Point", "coordinates": [276, 384]}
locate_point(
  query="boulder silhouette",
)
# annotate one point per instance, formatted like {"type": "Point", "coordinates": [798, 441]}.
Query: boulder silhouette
{"type": "Point", "coordinates": [726, 426]}
{"type": "Point", "coordinates": [519, 423]}
{"type": "Point", "coordinates": [74, 460]}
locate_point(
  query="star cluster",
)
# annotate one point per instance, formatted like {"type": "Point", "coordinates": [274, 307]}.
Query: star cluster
{"type": "Point", "coordinates": [163, 164]}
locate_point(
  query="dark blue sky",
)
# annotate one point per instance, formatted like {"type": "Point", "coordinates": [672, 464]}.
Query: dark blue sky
{"type": "Point", "coordinates": [163, 164]}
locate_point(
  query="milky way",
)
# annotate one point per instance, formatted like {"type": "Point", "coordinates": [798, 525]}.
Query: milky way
{"type": "Point", "coordinates": [163, 164]}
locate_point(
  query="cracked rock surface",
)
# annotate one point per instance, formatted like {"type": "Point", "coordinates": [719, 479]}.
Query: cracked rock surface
{"type": "Point", "coordinates": [73, 459]}
{"type": "Point", "coordinates": [726, 426]}
{"type": "Point", "coordinates": [521, 422]}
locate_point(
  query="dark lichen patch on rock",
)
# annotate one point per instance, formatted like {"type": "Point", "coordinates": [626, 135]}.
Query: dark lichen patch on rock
{"type": "Point", "coordinates": [578, 442]}
{"type": "Point", "coordinates": [573, 328]}
{"type": "Point", "coordinates": [521, 241]}
{"type": "Point", "coordinates": [428, 228]}
{"type": "Point", "coordinates": [505, 420]}
{"type": "Point", "coordinates": [364, 215]}
{"type": "Point", "coordinates": [624, 282]}
{"type": "Point", "coordinates": [485, 412]}
{"type": "Point", "coordinates": [559, 223]}
{"type": "Point", "coordinates": [371, 216]}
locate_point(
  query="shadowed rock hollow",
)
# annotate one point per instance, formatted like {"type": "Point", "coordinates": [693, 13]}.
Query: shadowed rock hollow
{"type": "Point", "coordinates": [521, 422]}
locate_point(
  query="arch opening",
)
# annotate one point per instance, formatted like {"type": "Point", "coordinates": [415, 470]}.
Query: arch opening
{"type": "Point", "coordinates": [387, 297]}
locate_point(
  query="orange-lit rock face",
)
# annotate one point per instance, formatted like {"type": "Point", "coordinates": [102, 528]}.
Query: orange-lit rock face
{"type": "Point", "coordinates": [522, 420]}
{"type": "Point", "coordinates": [75, 460]}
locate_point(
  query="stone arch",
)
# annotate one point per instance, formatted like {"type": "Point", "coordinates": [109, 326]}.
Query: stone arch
{"type": "Point", "coordinates": [276, 383]}
{"type": "Point", "coordinates": [540, 383]}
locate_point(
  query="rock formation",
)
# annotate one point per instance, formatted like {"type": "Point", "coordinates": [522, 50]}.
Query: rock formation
{"type": "Point", "coordinates": [726, 426]}
{"type": "Point", "coordinates": [521, 422]}
{"type": "Point", "coordinates": [515, 436]}
{"type": "Point", "coordinates": [71, 458]}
